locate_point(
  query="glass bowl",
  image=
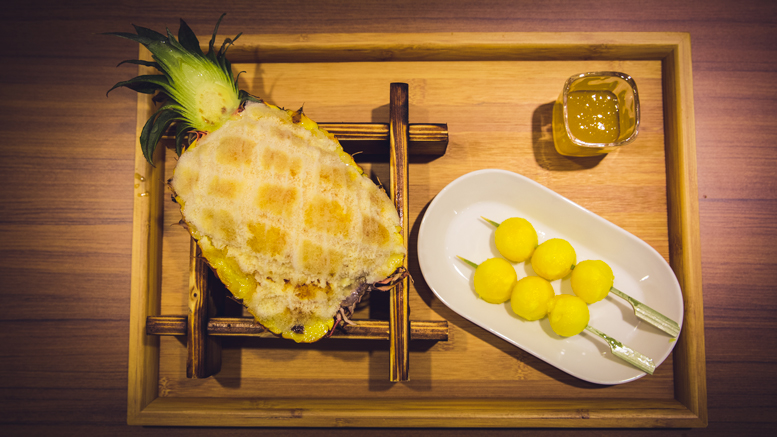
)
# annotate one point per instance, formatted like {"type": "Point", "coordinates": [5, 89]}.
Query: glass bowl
{"type": "Point", "coordinates": [596, 113]}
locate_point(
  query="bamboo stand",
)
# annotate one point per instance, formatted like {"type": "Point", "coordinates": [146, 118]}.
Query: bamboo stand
{"type": "Point", "coordinates": [203, 326]}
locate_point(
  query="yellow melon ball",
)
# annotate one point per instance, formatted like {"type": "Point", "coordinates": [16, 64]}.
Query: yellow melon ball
{"type": "Point", "coordinates": [494, 279]}
{"type": "Point", "coordinates": [568, 315]}
{"type": "Point", "coordinates": [592, 280]}
{"type": "Point", "coordinates": [530, 297]}
{"type": "Point", "coordinates": [516, 239]}
{"type": "Point", "coordinates": [553, 259]}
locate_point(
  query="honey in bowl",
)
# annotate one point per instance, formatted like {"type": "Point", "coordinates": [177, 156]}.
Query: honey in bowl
{"type": "Point", "coordinates": [593, 116]}
{"type": "Point", "coordinates": [596, 113]}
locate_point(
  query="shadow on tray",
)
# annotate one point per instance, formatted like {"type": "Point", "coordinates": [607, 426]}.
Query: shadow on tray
{"type": "Point", "coordinates": [545, 152]}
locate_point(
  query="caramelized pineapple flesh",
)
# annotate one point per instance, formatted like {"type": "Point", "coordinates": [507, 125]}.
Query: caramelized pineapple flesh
{"type": "Point", "coordinates": [286, 218]}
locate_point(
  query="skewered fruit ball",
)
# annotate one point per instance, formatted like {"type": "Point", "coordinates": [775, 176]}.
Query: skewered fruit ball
{"type": "Point", "coordinates": [494, 279]}
{"type": "Point", "coordinates": [568, 315]}
{"type": "Point", "coordinates": [530, 297]}
{"type": "Point", "coordinates": [592, 280]}
{"type": "Point", "coordinates": [553, 259]}
{"type": "Point", "coordinates": [516, 239]}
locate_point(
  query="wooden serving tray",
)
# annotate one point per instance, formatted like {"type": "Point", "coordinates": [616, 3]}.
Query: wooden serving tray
{"type": "Point", "coordinates": [495, 92]}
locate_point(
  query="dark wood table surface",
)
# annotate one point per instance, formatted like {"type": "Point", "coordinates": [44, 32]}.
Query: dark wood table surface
{"type": "Point", "coordinates": [66, 195]}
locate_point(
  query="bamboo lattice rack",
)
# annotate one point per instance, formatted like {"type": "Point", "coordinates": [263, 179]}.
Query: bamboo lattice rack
{"type": "Point", "coordinates": [203, 326]}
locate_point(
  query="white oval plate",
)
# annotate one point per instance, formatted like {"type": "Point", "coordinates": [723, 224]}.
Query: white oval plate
{"type": "Point", "coordinates": [452, 226]}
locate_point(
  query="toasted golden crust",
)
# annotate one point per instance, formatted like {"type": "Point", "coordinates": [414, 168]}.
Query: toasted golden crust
{"type": "Point", "coordinates": [292, 214]}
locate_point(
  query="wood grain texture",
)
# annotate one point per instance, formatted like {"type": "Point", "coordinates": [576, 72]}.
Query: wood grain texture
{"type": "Point", "coordinates": [371, 140]}
{"type": "Point", "coordinates": [373, 47]}
{"type": "Point", "coordinates": [145, 291]}
{"type": "Point", "coordinates": [68, 169]}
{"type": "Point", "coordinates": [416, 413]}
{"type": "Point", "coordinates": [247, 327]}
{"type": "Point", "coordinates": [399, 309]}
{"type": "Point", "coordinates": [685, 244]}
{"type": "Point", "coordinates": [636, 199]}
{"type": "Point", "coordinates": [203, 352]}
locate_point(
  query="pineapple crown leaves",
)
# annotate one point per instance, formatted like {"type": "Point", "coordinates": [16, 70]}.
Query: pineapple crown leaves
{"type": "Point", "coordinates": [199, 90]}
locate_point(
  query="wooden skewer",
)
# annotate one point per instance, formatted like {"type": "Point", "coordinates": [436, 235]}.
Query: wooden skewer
{"type": "Point", "coordinates": [399, 321]}
{"type": "Point", "coordinates": [435, 330]}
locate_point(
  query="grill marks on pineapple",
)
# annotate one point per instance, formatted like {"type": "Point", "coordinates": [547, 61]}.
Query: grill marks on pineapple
{"type": "Point", "coordinates": [221, 223]}
{"type": "Point", "coordinates": [379, 202]}
{"type": "Point", "coordinates": [267, 240]}
{"type": "Point", "coordinates": [185, 180]}
{"type": "Point", "coordinates": [235, 151]}
{"type": "Point", "coordinates": [332, 178]}
{"type": "Point", "coordinates": [224, 188]}
{"type": "Point", "coordinates": [281, 163]}
{"type": "Point", "coordinates": [277, 200]}
{"type": "Point", "coordinates": [311, 291]}
{"type": "Point", "coordinates": [319, 260]}
{"type": "Point", "coordinates": [328, 216]}
{"type": "Point", "coordinates": [374, 232]}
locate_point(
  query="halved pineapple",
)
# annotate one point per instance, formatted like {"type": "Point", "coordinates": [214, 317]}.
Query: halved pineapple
{"type": "Point", "coordinates": [286, 219]}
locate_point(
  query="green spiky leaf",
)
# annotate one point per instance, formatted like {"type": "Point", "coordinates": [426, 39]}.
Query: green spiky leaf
{"type": "Point", "coordinates": [200, 90]}
{"type": "Point", "coordinates": [181, 133]}
{"type": "Point", "coordinates": [174, 42]}
{"type": "Point", "coordinates": [153, 130]}
{"type": "Point", "coordinates": [139, 62]}
{"type": "Point", "coordinates": [236, 79]}
{"type": "Point", "coordinates": [227, 66]}
{"type": "Point", "coordinates": [226, 45]}
{"type": "Point", "coordinates": [213, 39]}
{"type": "Point", "coordinates": [148, 33]}
{"type": "Point", "coordinates": [143, 84]}
{"type": "Point", "coordinates": [245, 97]}
{"type": "Point", "coordinates": [148, 150]}
{"type": "Point", "coordinates": [131, 36]}
{"type": "Point", "coordinates": [188, 39]}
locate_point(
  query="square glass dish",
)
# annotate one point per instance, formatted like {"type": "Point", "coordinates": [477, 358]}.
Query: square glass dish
{"type": "Point", "coordinates": [596, 113]}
